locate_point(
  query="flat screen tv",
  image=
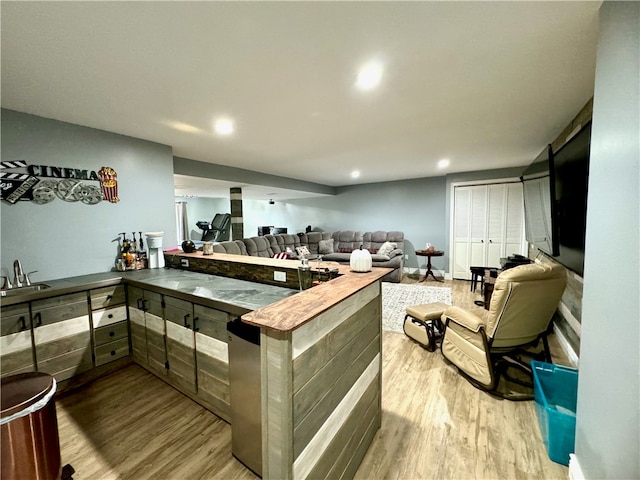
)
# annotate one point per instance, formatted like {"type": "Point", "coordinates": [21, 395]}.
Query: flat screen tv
{"type": "Point", "coordinates": [539, 199]}
{"type": "Point", "coordinates": [571, 178]}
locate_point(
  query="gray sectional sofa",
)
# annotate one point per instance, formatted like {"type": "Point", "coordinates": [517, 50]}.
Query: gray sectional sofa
{"type": "Point", "coordinates": [334, 247]}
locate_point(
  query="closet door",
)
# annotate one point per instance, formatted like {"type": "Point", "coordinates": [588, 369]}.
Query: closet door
{"type": "Point", "coordinates": [487, 225]}
{"type": "Point", "coordinates": [514, 218]}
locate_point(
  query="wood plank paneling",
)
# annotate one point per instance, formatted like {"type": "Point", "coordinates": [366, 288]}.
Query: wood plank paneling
{"type": "Point", "coordinates": [15, 318]}
{"type": "Point", "coordinates": [364, 418]}
{"type": "Point", "coordinates": [18, 361]}
{"type": "Point", "coordinates": [316, 357]}
{"type": "Point", "coordinates": [110, 333]}
{"type": "Point", "coordinates": [277, 404]}
{"type": "Point", "coordinates": [112, 351]}
{"type": "Point", "coordinates": [308, 458]}
{"type": "Point", "coordinates": [314, 404]}
{"type": "Point", "coordinates": [308, 334]}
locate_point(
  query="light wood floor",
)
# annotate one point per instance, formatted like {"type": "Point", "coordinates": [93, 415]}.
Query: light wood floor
{"type": "Point", "coordinates": [131, 425]}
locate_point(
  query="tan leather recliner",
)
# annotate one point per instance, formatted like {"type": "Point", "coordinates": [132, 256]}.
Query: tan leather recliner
{"type": "Point", "coordinates": [522, 305]}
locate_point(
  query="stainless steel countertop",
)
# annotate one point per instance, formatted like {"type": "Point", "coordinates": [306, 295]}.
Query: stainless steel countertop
{"type": "Point", "coordinates": [229, 294]}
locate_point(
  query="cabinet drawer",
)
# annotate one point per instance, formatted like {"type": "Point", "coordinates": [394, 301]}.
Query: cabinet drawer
{"type": "Point", "coordinates": [109, 316]}
{"type": "Point", "coordinates": [110, 333]}
{"type": "Point", "coordinates": [107, 296]}
{"type": "Point", "coordinates": [112, 351]}
{"type": "Point", "coordinates": [14, 319]}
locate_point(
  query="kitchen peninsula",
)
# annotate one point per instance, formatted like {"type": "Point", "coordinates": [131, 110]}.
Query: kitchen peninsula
{"type": "Point", "coordinates": [320, 349]}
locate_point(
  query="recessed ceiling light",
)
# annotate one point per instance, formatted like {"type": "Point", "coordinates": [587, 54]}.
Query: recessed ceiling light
{"type": "Point", "coordinates": [369, 76]}
{"type": "Point", "coordinates": [355, 174]}
{"type": "Point", "coordinates": [224, 126]}
{"type": "Point", "coordinates": [444, 163]}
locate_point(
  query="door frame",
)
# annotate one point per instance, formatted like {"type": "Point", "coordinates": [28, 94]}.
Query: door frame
{"type": "Point", "coordinates": [452, 206]}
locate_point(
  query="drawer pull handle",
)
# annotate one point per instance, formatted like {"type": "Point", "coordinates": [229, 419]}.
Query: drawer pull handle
{"type": "Point", "coordinates": [112, 334]}
{"type": "Point", "coordinates": [195, 327]}
{"type": "Point", "coordinates": [110, 315]}
{"type": "Point", "coordinates": [186, 320]}
{"type": "Point", "coordinates": [109, 297]}
{"type": "Point", "coordinates": [23, 325]}
{"type": "Point", "coordinates": [113, 352]}
{"type": "Point", "coordinates": [38, 319]}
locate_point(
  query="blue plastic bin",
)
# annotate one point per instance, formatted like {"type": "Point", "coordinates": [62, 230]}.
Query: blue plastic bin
{"type": "Point", "coordinates": [555, 390]}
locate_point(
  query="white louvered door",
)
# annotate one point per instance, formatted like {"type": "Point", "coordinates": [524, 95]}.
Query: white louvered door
{"type": "Point", "coordinates": [488, 225]}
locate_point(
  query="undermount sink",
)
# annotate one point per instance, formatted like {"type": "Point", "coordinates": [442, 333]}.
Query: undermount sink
{"type": "Point", "coordinates": [36, 287]}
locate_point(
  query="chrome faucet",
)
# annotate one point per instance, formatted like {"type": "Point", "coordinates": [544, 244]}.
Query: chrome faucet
{"type": "Point", "coordinates": [18, 274]}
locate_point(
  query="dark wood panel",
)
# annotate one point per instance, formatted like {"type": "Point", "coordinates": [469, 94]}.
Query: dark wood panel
{"type": "Point", "coordinates": [156, 351]}
{"type": "Point", "coordinates": [56, 309]}
{"type": "Point", "coordinates": [14, 319]}
{"type": "Point", "coordinates": [342, 448]}
{"type": "Point", "coordinates": [68, 364]}
{"type": "Point", "coordinates": [62, 345]}
{"type": "Point", "coordinates": [211, 322]}
{"type": "Point", "coordinates": [112, 351]}
{"type": "Point", "coordinates": [315, 358]}
{"type": "Point", "coordinates": [110, 333]}
{"type": "Point", "coordinates": [312, 406]}
{"type": "Point", "coordinates": [107, 296]}
{"type": "Point", "coordinates": [17, 362]}
{"type": "Point", "coordinates": [213, 386]}
{"type": "Point", "coordinates": [212, 366]}
{"type": "Point", "coordinates": [178, 311]}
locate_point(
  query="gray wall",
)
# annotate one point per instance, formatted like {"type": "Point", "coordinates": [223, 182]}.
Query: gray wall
{"type": "Point", "coordinates": [63, 239]}
{"type": "Point", "coordinates": [608, 418]}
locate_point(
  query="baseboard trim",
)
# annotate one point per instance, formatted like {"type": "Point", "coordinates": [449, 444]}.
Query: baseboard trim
{"type": "Point", "coordinates": [575, 472]}
{"type": "Point", "coordinates": [566, 347]}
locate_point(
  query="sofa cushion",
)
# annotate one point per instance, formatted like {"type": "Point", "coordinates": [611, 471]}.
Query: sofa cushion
{"type": "Point", "coordinates": [386, 248]}
{"type": "Point", "coordinates": [303, 250]}
{"type": "Point", "coordinates": [347, 241]}
{"type": "Point", "coordinates": [233, 247]}
{"type": "Point", "coordinates": [258, 247]}
{"type": "Point", "coordinates": [325, 246]}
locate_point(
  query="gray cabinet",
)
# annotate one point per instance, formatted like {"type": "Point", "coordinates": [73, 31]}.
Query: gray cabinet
{"type": "Point", "coordinates": [212, 359]}
{"type": "Point", "coordinates": [62, 335]}
{"type": "Point", "coordinates": [110, 326]}
{"type": "Point", "coordinates": [180, 343]}
{"type": "Point", "coordinates": [16, 346]}
{"type": "Point", "coordinates": [147, 329]}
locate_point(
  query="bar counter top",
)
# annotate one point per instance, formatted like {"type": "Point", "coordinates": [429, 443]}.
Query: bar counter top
{"type": "Point", "coordinates": [263, 305]}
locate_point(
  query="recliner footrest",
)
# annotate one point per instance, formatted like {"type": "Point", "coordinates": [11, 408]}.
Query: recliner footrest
{"type": "Point", "coordinates": [422, 323]}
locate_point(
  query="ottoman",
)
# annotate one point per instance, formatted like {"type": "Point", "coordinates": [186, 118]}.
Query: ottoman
{"type": "Point", "coordinates": [422, 323]}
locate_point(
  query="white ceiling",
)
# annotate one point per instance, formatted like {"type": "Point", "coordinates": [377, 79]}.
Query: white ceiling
{"type": "Point", "coordinates": [484, 84]}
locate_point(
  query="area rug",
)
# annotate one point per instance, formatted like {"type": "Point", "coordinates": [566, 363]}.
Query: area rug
{"type": "Point", "coordinates": [398, 296]}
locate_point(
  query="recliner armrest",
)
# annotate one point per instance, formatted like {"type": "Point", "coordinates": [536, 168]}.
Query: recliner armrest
{"type": "Point", "coordinates": [395, 253]}
{"type": "Point", "coordinates": [463, 318]}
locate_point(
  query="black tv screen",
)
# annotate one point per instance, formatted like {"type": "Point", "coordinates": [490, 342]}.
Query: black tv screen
{"type": "Point", "coordinates": [538, 190]}
{"type": "Point", "coordinates": [571, 179]}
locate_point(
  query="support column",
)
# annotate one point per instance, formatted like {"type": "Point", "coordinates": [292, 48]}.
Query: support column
{"type": "Point", "coordinates": [237, 225]}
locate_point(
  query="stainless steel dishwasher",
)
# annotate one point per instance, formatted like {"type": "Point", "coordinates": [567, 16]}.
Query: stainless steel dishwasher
{"type": "Point", "coordinates": [245, 391]}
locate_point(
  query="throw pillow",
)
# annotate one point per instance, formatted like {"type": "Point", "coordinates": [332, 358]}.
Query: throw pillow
{"type": "Point", "coordinates": [303, 251]}
{"type": "Point", "coordinates": [325, 246]}
{"type": "Point", "coordinates": [282, 255]}
{"type": "Point", "coordinates": [387, 247]}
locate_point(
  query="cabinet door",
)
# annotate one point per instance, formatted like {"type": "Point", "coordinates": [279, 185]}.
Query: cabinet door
{"type": "Point", "coordinates": [138, 325]}
{"type": "Point", "coordinates": [479, 199]}
{"type": "Point", "coordinates": [212, 359]}
{"type": "Point", "coordinates": [156, 332]}
{"type": "Point", "coordinates": [496, 223]}
{"type": "Point", "coordinates": [514, 220]}
{"type": "Point", "coordinates": [180, 343]}
{"type": "Point", "coordinates": [62, 335]}
{"type": "Point", "coordinates": [16, 348]}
